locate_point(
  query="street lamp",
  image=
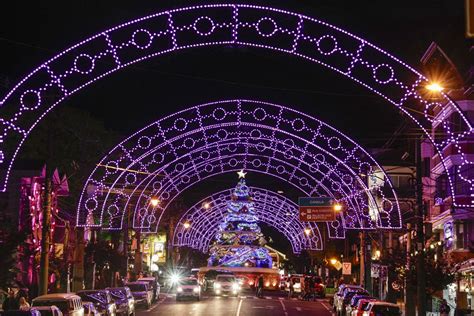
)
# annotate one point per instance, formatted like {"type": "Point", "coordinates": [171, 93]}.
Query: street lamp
{"type": "Point", "coordinates": [206, 205]}
{"type": "Point", "coordinates": [154, 201]}
{"type": "Point", "coordinates": [333, 261]}
{"type": "Point", "coordinates": [307, 231]}
{"type": "Point", "coordinates": [187, 225]}
{"type": "Point", "coordinates": [337, 207]}
{"type": "Point", "coordinates": [434, 87]}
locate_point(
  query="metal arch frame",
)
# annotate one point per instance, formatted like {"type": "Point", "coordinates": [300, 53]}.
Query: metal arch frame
{"type": "Point", "coordinates": [223, 24]}
{"type": "Point", "coordinates": [269, 207]}
{"type": "Point", "coordinates": [162, 142]}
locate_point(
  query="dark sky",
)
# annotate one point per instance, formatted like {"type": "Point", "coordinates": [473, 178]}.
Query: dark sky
{"type": "Point", "coordinates": [32, 32]}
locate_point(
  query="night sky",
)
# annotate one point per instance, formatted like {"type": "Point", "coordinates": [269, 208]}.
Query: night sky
{"type": "Point", "coordinates": [30, 33]}
{"type": "Point", "coordinates": [34, 31]}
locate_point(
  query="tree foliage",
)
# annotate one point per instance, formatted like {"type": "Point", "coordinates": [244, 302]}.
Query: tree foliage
{"type": "Point", "coordinates": [8, 257]}
{"type": "Point", "coordinates": [73, 141]}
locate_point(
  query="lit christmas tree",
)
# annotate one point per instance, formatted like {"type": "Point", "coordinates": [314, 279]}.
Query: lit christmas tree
{"type": "Point", "coordinates": [239, 241]}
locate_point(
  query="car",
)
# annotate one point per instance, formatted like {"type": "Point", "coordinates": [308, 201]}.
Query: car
{"type": "Point", "coordinates": [123, 300]}
{"type": "Point", "coordinates": [298, 282]}
{"type": "Point", "coordinates": [70, 304]}
{"type": "Point", "coordinates": [142, 293]}
{"type": "Point", "coordinates": [226, 284]}
{"type": "Point", "coordinates": [319, 287]}
{"type": "Point", "coordinates": [361, 306]}
{"type": "Point", "coordinates": [48, 310]}
{"type": "Point", "coordinates": [89, 309]}
{"type": "Point", "coordinates": [379, 308]}
{"type": "Point", "coordinates": [354, 302]}
{"type": "Point", "coordinates": [347, 297]}
{"type": "Point", "coordinates": [102, 300]}
{"type": "Point", "coordinates": [153, 284]}
{"type": "Point", "coordinates": [31, 312]}
{"type": "Point", "coordinates": [283, 282]}
{"type": "Point", "coordinates": [337, 300]}
{"type": "Point", "coordinates": [188, 287]}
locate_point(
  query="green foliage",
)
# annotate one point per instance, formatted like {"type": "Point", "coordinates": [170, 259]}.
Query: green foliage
{"type": "Point", "coordinates": [73, 141]}
{"type": "Point", "coordinates": [438, 272]}
{"type": "Point", "coordinates": [104, 255]}
{"type": "Point", "coordinates": [9, 257]}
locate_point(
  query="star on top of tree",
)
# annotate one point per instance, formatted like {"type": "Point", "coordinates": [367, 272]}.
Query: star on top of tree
{"type": "Point", "coordinates": [241, 173]}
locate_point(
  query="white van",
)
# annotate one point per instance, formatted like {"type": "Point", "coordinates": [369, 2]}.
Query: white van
{"type": "Point", "coordinates": [69, 303]}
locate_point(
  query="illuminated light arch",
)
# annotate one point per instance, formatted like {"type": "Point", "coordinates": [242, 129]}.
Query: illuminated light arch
{"type": "Point", "coordinates": [227, 24]}
{"type": "Point", "coordinates": [271, 208]}
{"type": "Point", "coordinates": [183, 149]}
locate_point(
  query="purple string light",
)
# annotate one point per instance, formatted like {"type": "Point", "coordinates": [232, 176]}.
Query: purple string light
{"type": "Point", "coordinates": [222, 24]}
{"type": "Point", "coordinates": [271, 208]}
{"type": "Point", "coordinates": [183, 149]}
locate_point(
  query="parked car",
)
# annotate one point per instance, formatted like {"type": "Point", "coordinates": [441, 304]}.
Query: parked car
{"type": "Point", "coordinates": [70, 304]}
{"type": "Point", "coordinates": [31, 312]}
{"type": "Point", "coordinates": [354, 302]}
{"type": "Point", "coordinates": [89, 309]}
{"type": "Point", "coordinates": [226, 284]}
{"type": "Point", "coordinates": [342, 289]}
{"type": "Point", "coordinates": [123, 300]}
{"type": "Point", "coordinates": [346, 299]}
{"type": "Point", "coordinates": [102, 300]}
{"type": "Point", "coordinates": [153, 284]}
{"type": "Point", "coordinates": [361, 306]}
{"type": "Point", "coordinates": [188, 287]}
{"type": "Point", "coordinates": [48, 310]}
{"type": "Point", "coordinates": [141, 293]}
{"type": "Point", "coordinates": [379, 308]}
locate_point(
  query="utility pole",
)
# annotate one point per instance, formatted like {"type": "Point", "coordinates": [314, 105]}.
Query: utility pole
{"type": "Point", "coordinates": [45, 233]}
{"type": "Point", "coordinates": [46, 220]}
{"type": "Point", "coordinates": [420, 238]}
{"type": "Point", "coordinates": [362, 258]}
{"type": "Point", "coordinates": [409, 291]}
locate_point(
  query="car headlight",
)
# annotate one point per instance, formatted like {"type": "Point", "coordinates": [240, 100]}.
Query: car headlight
{"type": "Point", "coordinates": [179, 289]}
{"type": "Point", "coordinates": [235, 286]}
{"type": "Point", "coordinates": [217, 286]}
{"type": "Point", "coordinates": [196, 290]}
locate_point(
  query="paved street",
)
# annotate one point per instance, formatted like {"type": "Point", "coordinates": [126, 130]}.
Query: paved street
{"type": "Point", "coordinates": [274, 305]}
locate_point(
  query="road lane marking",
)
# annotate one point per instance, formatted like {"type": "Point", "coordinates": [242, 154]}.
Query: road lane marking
{"type": "Point", "coordinates": [239, 307]}
{"type": "Point", "coordinates": [298, 309]}
{"type": "Point", "coordinates": [327, 307]}
{"type": "Point", "coordinates": [284, 308]}
{"type": "Point", "coordinates": [157, 303]}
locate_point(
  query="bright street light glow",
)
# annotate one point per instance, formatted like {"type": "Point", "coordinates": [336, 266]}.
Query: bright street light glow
{"type": "Point", "coordinates": [307, 231]}
{"type": "Point", "coordinates": [434, 87]}
{"type": "Point", "coordinates": [337, 207]}
{"type": "Point", "coordinates": [154, 202]}
{"type": "Point", "coordinates": [206, 205]}
{"type": "Point", "coordinates": [187, 225]}
{"type": "Point", "coordinates": [333, 261]}
{"type": "Point", "coordinates": [175, 278]}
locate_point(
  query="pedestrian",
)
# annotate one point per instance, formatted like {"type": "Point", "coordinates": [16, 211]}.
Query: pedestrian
{"type": "Point", "coordinates": [291, 287]}
{"type": "Point", "coordinates": [23, 304]}
{"type": "Point", "coordinates": [444, 308]}
{"type": "Point", "coordinates": [11, 302]}
{"type": "Point", "coordinates": [260, 286]}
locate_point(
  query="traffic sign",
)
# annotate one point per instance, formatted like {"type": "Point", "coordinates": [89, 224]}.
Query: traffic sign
{"type": "Point", "coordinates": [346, 268]}
{"type": "Point", "coordinates": [316, 209]}
{"type": "Point", "coordinates": [338, 265]}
